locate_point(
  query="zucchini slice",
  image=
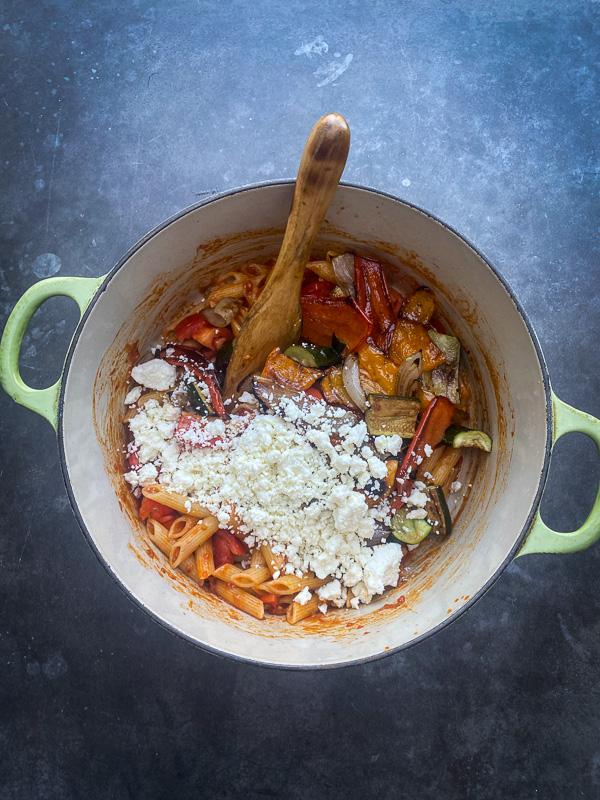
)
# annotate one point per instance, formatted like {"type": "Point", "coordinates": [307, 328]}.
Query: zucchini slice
{"type": "Point", "coordinates": [311, 355]}
{"type": "Point", "coordinates": [388, 414]}
{"type": "Point", "coordinates": [438, 513]}
{"type": "Point", "coordinates": [457, 436]}
{"type": "Point", "coordinates": [443, 380]}
{"type": "Point", "coordinates": [409, 531]}
{"type": "Point", "coordinates": [199, 400]}
{"type": "Point", "coordinates": [222, 360]}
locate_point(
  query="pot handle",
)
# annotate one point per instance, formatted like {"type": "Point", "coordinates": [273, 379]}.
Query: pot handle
{"type": "Point", "coordinates": [541, 538]}
{"type": "Point", "coordinates": [42, 401]}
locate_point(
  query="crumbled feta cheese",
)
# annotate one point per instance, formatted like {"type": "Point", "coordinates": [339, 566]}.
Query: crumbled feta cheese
{"type": "Point", "coordinates": [291, 487]}
{"type": "Point", "coordinates": [333, 592]}
{"type": "Point", "coordinates": [388, 444]}
{"type": "Point", "coordinates": [417, 513]}
{"type": "Point", "coordinates": [382, 569]}
{"type": "Point", "coordinates": [155, 374]}
{"type": "Point", "coordinates": [323, 608]}
{"type": "Point", "coordinates": [417, 498]}
{"type": "Point", "coordinates": [246, 397]}
{"type": "Point", "coordinates": [303, 597]}
{"type": "Point", "coordinates": [133, 395]}
{"type": "Point", "coordinates": [455, 486]}
{"type": "Point", "coordinates": [428, 449]}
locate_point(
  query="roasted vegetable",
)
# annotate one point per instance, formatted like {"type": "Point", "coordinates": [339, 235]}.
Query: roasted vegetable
{"type": "Point", "coordinates": [334, 390]}
{"type": "Point", "coordinates": [323, 318]}
{"type": "Point", "coordinates": [409, 371]}
{"type": "Point", "coordinates": [388, 415]}
{"type": "Point", "coordinates": [443, 379]}
{"type": "Point", "coordinates": [271, 394]}
{"type": "Point", "coordinates": [457, 436]}
{"type": "Point", "coordinates": [288, 372]}
{"type": "Point", "coordinates": [195, 364]}
{"type": "Point", "coordinates": [222, 360]}
{"type": "Point", "coordinates": [437, 510]}
{"type": "Point", "coordinates": [373, 298]}
{"type": "Point", "coordinates": [311, 355]}
{"type": "Point", "coordinates": [430, 432]}
{"type": "Point", "coordinates": [408, 530]}
{"type": "Point", "coordinates": [420, 306]}
{"type": "Point", "coordinates": [199, 399]}
{"type": "Point", "coordinates": [381, 370]}
{"type": "Point", "coordinates": [410, 337]}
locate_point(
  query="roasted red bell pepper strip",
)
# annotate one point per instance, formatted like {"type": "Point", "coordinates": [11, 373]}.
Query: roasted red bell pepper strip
{"type": "Point", "coordinates": [373, 297]}
{"type": "Point", "coordinates": [430, 431]}
{"type": "Point", "coordinates": [319, 288]}
{"type": "Point", "coordinates": [157, 511]}
{"type": "Point", "coordinates": [194, 362]}
{"type": "Point", "coordinates": [226, 546]}
{"type": "Point", "coordinates": [323, 317]}
{"type": "Point", "coordinates": [197, 327]}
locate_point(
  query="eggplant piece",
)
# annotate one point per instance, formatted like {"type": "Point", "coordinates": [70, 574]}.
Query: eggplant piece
{"type": "Point", "coordinates": [389, 414]}
{"type": "Point", "coordinates": [438, 513]}
{"type": "Point", "coordinates": [458, 436]}
{"type": "Point", "coordinates": [444, 380]}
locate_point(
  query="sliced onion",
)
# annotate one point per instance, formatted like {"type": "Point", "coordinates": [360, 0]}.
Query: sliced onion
{"type": "Point", "coordinates": [351, 377]}
{"type": "Point", "coordinates": [343, 269]}
{"type": "Point", "coordinates": [221, 315]}
{"type": "Point", "coordinates": [410, 370]}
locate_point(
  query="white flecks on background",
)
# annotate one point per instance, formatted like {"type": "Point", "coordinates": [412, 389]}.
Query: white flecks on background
{"type": "Point", "coordinates": [318, 46]}
{"type": "Point", "coordinates": [330, 72]}
{"type": "Point", "coordinates": [46, 265]}
{"type": "Point", "coordinates": [326, 73]}
{"type": "Point", "coordinates": [406, 182]}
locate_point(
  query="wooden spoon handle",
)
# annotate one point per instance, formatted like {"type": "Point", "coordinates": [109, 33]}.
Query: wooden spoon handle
{"type": "Point", "coordinates": [275, 319]}
{"type": "Point", "coordinates": [321, 167]}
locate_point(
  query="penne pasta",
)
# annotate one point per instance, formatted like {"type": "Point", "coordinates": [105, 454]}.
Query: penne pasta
{"type": "Point", "coordinates": [205, 564]}
{"type": "Point", "coordinates": [442, 471]}
{"type": "Point", "coordinates": [241, 599]}
{"type": "Point", "coordinates": [226, 572]}
{"type": "Point", "coordinates": [186, 545]}
{"type": "Point", "coordinates": [249, 578]}
{"type": "Point", "coordinates": [295, 612]}
{"type": "Point", "coordinates": [257, 559]}
{"type": "Point", "coordinates": [275, 561]}
{"type": "Point", "coordinates": [134, 410]}
{"type": "Point", "coordinates": [181, 525]}
{"type": "Point", "coordinates": [290, 584]}
{"type": "Point", "coordinates": [157, 534]}
{"type": "Point", "coordinates": [174, 500]}
{"type": "Point", "coordinates": [324, 269]}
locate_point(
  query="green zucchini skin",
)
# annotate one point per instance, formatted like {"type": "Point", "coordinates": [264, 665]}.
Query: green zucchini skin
{"type": "Point", "coordinates": [409, 531]}
{"type": "Point", "coordinates": [457, 436]}
{"type": "Point", "coordinates": [311, 355]}
{"type": "Point", "coordinates": [197, 400]}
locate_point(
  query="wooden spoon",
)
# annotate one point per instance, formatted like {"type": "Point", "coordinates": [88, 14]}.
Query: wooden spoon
{"type": "Point", "coordinates": [275, 320]}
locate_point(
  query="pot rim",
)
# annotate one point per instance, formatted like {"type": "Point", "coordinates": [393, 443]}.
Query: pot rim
{"type": "Point", "coordinates": [341, 664]}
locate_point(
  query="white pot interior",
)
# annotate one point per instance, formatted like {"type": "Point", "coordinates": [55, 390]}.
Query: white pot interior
{"type": "Point", "coordinates": [154, 285]}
